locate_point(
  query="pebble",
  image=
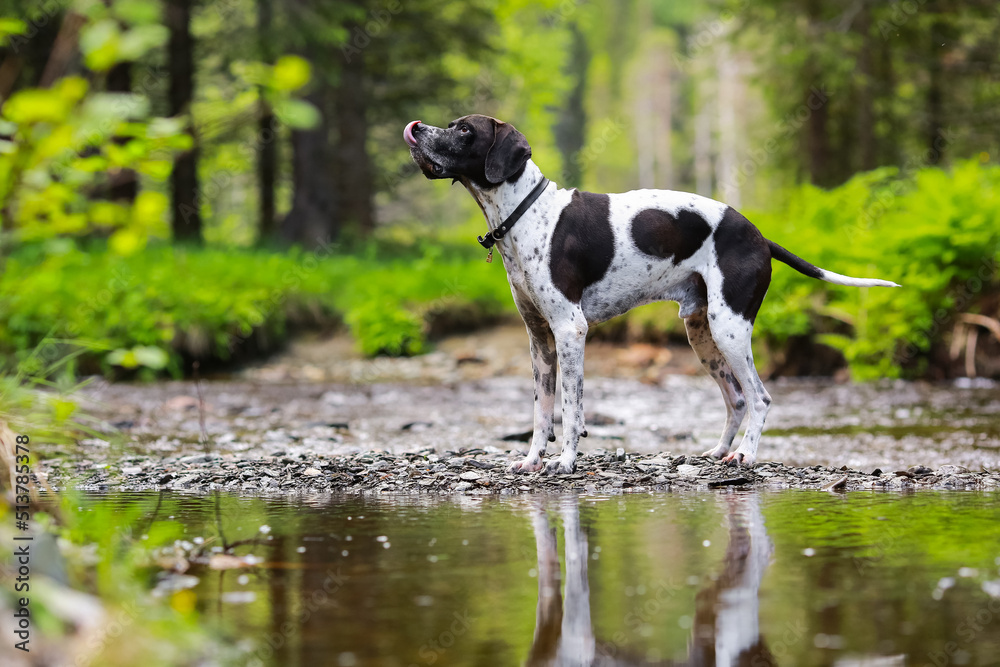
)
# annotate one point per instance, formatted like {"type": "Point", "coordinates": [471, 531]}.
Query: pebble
{"type": "Point", "coordinates": [430, 471]}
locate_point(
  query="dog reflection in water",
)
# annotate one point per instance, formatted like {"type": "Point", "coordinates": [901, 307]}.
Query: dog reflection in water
{"type": "Point", "coordinates": [725, 631]}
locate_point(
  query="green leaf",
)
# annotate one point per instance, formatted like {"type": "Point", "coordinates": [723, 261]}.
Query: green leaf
{"type": "Point", "coordinates": [137, 12]}
{"type": "Point", "coordinates": [127, 241]}
{"type": "Point", "coordinates": [297, 114]}
{"type": "Point", "coordinates": [115, 107]}
{"type": "Point", "coordinates": [142, 39]}
{"type": "Point", "coordinates": [290, 73]}
{"type": "Point", "coordinates": [36, 106]}
{"type": "Point", "coordinates": [100, 43]}
{"type": "Point", "coordinates": [151, 357]}
{"type": "Point", "coordinates": [10, 26]}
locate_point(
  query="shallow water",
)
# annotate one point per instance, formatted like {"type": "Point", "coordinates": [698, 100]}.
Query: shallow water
{"type": "Point", "coordinates": [789, 578]}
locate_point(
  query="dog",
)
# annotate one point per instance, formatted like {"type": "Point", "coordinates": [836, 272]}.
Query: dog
{"type": "Point", "coordinates": [574, 259]}
{"type": "Point", "coordinates": [725, 626]}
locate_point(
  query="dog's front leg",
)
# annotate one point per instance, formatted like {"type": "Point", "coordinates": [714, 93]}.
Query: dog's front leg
{"type": "Point", "coordinates": [570, 335]}
{"type": "Point", "coordinates": [543, 368]}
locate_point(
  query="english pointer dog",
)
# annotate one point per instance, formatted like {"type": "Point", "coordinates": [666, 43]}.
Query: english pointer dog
{"type": "Point", "coordinates": [575, 258]}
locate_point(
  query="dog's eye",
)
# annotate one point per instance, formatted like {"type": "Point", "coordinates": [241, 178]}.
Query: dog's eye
{"type": "Point", "coordinates": [464, 129]}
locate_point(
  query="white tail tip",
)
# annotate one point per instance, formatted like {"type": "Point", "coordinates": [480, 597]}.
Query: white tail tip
{"type": "Point", "coordinates": [837, 279]}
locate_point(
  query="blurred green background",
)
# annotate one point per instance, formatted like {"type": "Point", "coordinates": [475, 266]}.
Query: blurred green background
{"type": "Point", "coordinates": [196, 181]}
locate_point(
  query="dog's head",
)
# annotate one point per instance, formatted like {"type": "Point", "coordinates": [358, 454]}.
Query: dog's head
{"type": "Point", "coordinates": [475, 148]}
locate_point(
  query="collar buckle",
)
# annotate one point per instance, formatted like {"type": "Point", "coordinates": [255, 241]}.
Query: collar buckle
{"type": "Point", "coordinates": [495, 235]}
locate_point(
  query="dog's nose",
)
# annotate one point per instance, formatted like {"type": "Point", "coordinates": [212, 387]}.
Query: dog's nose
{"type": "Point", "coordinates": [408, 131]}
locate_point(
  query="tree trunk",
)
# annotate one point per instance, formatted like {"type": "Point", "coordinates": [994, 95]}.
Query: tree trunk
{"type": "Point", "coordinates": [353, 177]}
{"type": "Point", "coordinates": [935, 95]}
{"type": "Point", "coordinates": [817, 134]}
{"type": "Point", "coordinates": [867, 141]}
{"type": "Point", "coordinates": [891, 151]}
{"type": "Point", "coordinates": [727, 176]}
{"type": "Point", "coordinates": [571, 128]}
{"type": "Point", "coordinates": [703, 150]}
{"type": "Point", "coordinates": [184, 180]}
{"type": "Point", "coordinates": [267, 140]}
{"type": "Point", "coordinates": [312, 222]}
{"type": "Point", "coordinates": [663, 118]}
{"type": "Point", "coordinates": [123, 184]}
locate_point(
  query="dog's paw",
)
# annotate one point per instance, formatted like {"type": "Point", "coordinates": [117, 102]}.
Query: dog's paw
{"type": "Point", "coordinates": [739, 458]}
{"type": "Point", "coordinates": [560, 467]}
{"type": "Point", "coordinates": [525, 466]}
{"type": "Point", "coordinates": [716, 453]}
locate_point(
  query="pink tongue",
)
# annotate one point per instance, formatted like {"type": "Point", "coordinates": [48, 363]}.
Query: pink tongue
{"type": "Point", "coordinates": [408, 133]}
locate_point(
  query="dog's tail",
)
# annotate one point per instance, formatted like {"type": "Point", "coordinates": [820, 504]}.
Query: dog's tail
{"type": "Point", "coordinates": [804, 267]}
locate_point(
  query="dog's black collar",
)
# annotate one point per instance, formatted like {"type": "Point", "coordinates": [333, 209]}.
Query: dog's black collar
{"type": "Point", "coordinates": [495, 235]}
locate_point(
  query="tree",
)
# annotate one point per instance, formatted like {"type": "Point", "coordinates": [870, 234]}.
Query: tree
{"type": "Point", "coordinates": [267, 147]}
{"type": "Point", "coordinates": [186, 220]}
{"type": "Point", "coordinates": [571, 127]}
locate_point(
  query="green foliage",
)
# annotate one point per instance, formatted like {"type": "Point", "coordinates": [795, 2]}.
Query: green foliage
{"type": "Point", "coordinates": [36, 397]}
{"type": "Point", "coordinates": [933, 231]}
{"type": "Point", "coordinates": [150, 310]}
{"type": "Point", "coordinates": [382, 330]}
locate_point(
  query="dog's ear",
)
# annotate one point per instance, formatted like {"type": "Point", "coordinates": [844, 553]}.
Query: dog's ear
{"type": "Point", "coordinates": [509, 152]}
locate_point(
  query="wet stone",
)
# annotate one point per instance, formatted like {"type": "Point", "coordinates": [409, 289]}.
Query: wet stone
{"type": "Point", "coordinates": [477, 471]}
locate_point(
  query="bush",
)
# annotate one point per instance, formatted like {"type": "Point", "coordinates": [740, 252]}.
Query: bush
{"type": "Point", "coordinates": [935, 232]}
{"type": "Point", "coordinates": [215, 304]}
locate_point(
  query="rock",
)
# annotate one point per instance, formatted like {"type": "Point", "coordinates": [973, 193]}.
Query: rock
{"type": "Point", "coordinates": [597, 419]}
{"type": "Point", "coordinates": [643, 354]}
{"type": "Point", "coordinates": [919, 471]}
{"type": "Point", "coordinates": [951, 470]}
{"type": "Point", "coordinates": [416, 427]}
{"type": "Point", "coordinates": [463, 486]}
{"type": "Point", "coordinates": [686, 470]}
{"type": "Point", "coordinates": [131, 470]}
{"type": "Point", "coordinates": [182, 403]}
{"type": "Point", "coordinates": [310, 472]}
{"type": "Point", "coordinates": [470, 476]}
{"type": "Point", "coordinates": [732, 481]}
{"type": "Point", "coordinates": [836, 485]}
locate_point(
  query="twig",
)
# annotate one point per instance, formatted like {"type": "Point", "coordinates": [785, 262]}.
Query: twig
{"type": "Point", "coordinates": [968, 322]}
{"type": "Point", "coordinates": [201, 403]}
{"type": "Point", "coordinates": [971, 337]}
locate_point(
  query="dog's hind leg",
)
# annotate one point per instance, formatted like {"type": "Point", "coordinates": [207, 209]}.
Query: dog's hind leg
{"type": "Point", "coordinates": [731, 333]}
{"type": "Point", "coordinates": [700, 337]}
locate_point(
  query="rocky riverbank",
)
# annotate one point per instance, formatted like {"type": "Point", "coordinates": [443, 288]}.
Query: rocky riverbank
{"type": "Point", "coordinates": [320, 418]}
{"type": "Point", "coordinates": [481, 472]}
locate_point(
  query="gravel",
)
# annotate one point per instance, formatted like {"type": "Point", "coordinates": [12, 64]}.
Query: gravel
{"type": "Point", "coordinates": [480, 472]}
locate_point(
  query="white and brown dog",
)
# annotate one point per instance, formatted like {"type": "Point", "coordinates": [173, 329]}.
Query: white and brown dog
{"type": "Point", "coordinates": [579, 258]}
